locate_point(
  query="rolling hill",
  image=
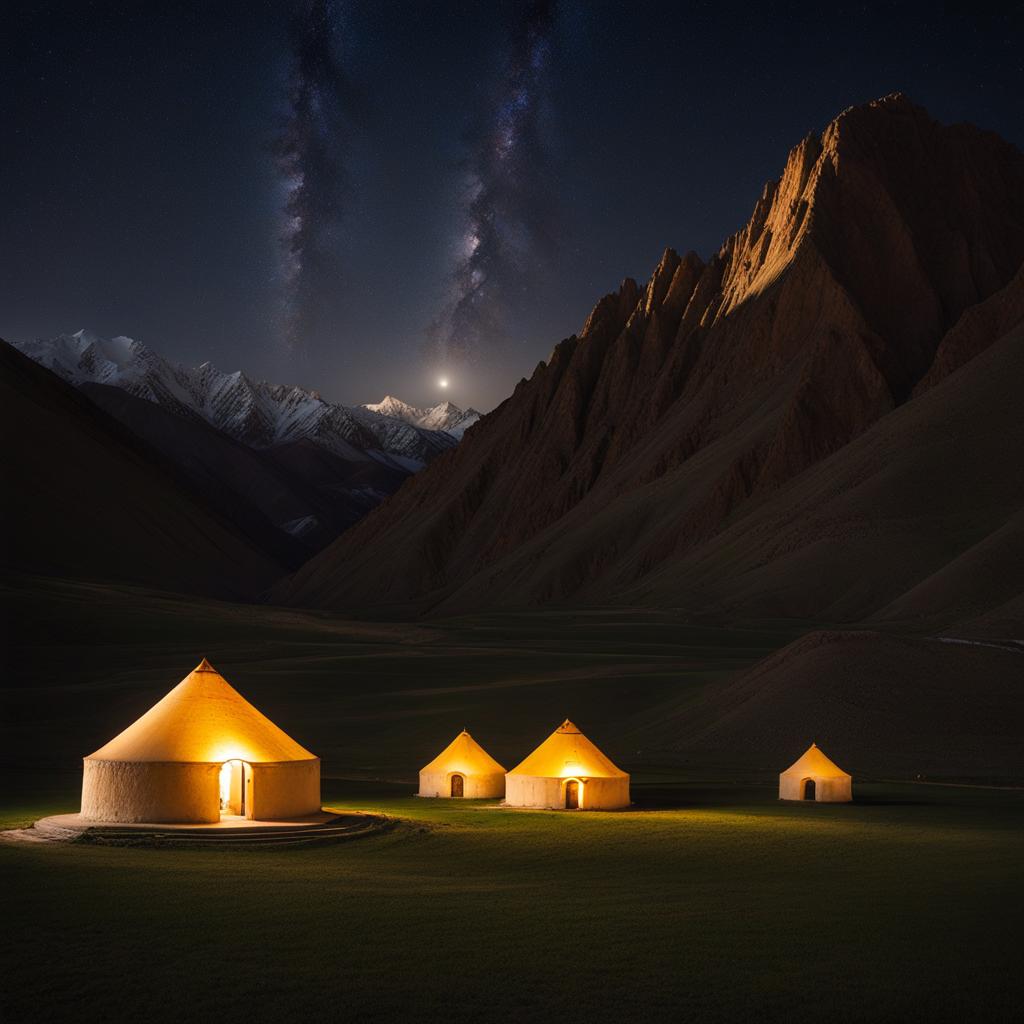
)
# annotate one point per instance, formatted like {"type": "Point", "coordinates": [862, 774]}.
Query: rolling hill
{"type": "Point", "coordinates": [881, 705]}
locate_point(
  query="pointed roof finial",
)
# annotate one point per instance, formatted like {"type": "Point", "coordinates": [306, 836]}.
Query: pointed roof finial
{"type": "Point", "coordinates": [204, 666]}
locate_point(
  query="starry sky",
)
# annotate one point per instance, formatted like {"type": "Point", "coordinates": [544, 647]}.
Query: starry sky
{"type": "Point", "coordinates": [364, 196]}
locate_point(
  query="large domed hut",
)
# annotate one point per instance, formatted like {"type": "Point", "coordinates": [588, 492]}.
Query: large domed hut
{"type": "Point", "coordinates": [815, 777]}
{"type": "Point", "coordinates": [463, 769]}
{"type": "Point", "coordinates": [201, 753]}
{"type": "Point", "coordinates": [567, 771]}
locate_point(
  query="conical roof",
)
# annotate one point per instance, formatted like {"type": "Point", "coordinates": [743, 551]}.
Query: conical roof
{"type": "Point", "coordinates": [815, 762]}
{"type": "Point", "coordinates": [567, 752]}
{"type": "Point", "coordinates": [203, 719]}
{"type": "Point", "coordinates": [466, 756]}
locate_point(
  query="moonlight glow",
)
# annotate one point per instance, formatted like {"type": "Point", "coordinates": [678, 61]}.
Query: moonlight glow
{"type": "Point", "coordinates": [442, 382]}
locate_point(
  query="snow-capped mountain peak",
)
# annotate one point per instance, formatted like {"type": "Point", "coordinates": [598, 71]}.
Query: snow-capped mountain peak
{"type": "Point", "coordinates": [446, 416]}
{"type": "Point", "coordinates": [391, 406]}
{"type": "Point", "coordinates": [256, 413]}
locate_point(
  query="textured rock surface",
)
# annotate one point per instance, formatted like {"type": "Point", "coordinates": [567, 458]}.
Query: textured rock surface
{"type": "Point", "coordinates": [683, 405]}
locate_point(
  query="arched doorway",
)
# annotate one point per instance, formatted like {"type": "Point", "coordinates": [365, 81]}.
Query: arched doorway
{"type": "Point", "coordinates": [809, 790]}
{"type": "Point", "coordinates": [458, 785]}
{"type": "Point", "coordinates": [235, 789]}
{"type": "Point", "coordinates": [572, 795]}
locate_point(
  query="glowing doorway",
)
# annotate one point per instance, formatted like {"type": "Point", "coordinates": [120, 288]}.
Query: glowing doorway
{"type": "Point", "coordinates": [235, 789]}
{"type": "Point", "coordinates": [572, 795]}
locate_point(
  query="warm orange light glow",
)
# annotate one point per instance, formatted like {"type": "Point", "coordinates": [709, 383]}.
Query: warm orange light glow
{"type": "Point", "coordinates": [225, 783]}
{"type": "Point", "coordinates": [200, 753]}
{"type": "Point", "coordinates": [203, 719]}
{"type": "Point", "coordinates": [567, 753]}
{"type": "Point", "coordinates": [464, 756]}
{"type": "Point", "coordinates": [226, 750]}
{"type": "Point", "coordinates": [481, 776]}
{"type": "Point", "coordinates": [580, 789]}
{"type": "Point", "coordinates": [830, 783]}
{"type": "Point", "coordinates": [543, 779]}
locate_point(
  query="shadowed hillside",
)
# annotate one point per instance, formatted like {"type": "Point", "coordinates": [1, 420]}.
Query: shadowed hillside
{"type": "Point", "coordinates": [692, 446]}
{"type": "Point", "coordinates": [878, 704]}
{"type": "Point", "coordinates": [83, 497]}
{"type": "Point", "coordinates": [295, 497]}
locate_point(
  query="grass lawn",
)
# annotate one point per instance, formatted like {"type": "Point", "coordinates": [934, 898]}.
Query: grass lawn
{"type": "Point", "coordinates": [371, 699]}
{"type": "Point", "coordinates": [708, 902]}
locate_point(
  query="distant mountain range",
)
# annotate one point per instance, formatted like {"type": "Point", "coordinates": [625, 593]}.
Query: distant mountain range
{"type": "Point", "coordinates": [86, 498]}
{"type": "Point", "coordinates": [446, 416]}
{"type": "Point", "coordinates": [256, 413]}
{"type": "Point", "coordinates": [279, 460]}
{"type": "Point", "coordinates": [821, 421]}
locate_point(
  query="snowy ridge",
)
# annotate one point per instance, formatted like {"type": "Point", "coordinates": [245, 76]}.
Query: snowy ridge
{"type": "Point", "coordinates": [256, 413]}
{"type": "Point", "coordinates": [447, 416]}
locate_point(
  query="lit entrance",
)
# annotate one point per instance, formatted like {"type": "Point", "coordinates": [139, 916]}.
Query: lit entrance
{"type": "Point", "coordinates": [458, 785]}
{"type": "Point", "coordinates": [808, 789]}
{"type": "Point", "coordinates": [572, 795]}
{"type": "Point", "coordinates": [235, 789]}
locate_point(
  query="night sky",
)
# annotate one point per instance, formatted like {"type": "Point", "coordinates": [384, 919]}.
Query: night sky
{"type": "Point", "coordinates": [361, 197]}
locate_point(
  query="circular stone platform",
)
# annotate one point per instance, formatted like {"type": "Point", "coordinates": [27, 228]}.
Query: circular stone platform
{"type": "Point", "coordinates": [327, 826]}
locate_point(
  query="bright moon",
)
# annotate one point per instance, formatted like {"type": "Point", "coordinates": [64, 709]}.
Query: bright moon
{"type": "Point", "coordinates": [442, 382]}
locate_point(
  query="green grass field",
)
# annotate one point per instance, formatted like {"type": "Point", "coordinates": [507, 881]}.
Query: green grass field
{"type": "Point", "coordinates": [375, 700]}
{"type": "Point", "coordinates": [708, 902]}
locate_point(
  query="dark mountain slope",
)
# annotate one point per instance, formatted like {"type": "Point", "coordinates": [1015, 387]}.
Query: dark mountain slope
{"type": "Point", "coordinates": [879, 705]}
{"type": "Point", "coordinates": [293, 498]}
{"type": "Point", "coordinates": [685, 406]}
{"type": "Point", "coordinates": [85, 498]}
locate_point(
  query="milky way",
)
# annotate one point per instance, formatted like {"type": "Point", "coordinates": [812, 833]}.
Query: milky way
{"type": "Point", "coordinates": [507, 199]}
{"type": "Point", "coordinates": [310, 152]}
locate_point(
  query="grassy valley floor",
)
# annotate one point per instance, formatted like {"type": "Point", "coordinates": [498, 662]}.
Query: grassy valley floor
{"type": "Point", "coordinates": [372, 699]}
{"type": "Point", "coordinates": [708, 902]}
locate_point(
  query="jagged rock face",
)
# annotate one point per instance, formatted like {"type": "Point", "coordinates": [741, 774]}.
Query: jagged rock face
{"type": "Point", "coordinates": [974, 331]}
{"type": "Point", "coordinates": [841, 294]}
{"type": "Point", "coordinates": [256, 413]}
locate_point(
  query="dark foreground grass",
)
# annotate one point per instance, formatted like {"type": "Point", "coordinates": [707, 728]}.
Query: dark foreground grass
{"type": "Point", "coordinates": [711, 903]}
{"type": "Point", "coordinates": [371, 699]}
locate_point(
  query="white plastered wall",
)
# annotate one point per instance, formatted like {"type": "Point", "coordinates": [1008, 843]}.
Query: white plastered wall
{"type": "Point", "coordinates": [130, 791]}
{"type": "Point", "coordinates": [189, 794]}
{"type": "Point", "coordinates": [826, 790]}
{"type": "Point", "coordinates": [290, 789]}
{"type": "Point", "coordinates": [540, 791]}
{"type": "Point", "coordinates": [476, 786]}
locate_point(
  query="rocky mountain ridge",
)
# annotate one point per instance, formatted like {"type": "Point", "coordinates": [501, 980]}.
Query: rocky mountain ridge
{"type": "Point", "coordinates": [256, 413]}
{"type": "Point", "coordinates": [884, 257]}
